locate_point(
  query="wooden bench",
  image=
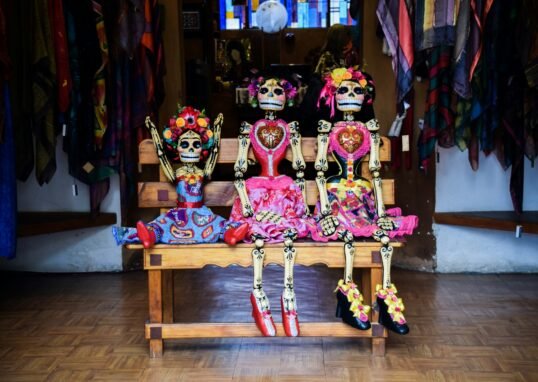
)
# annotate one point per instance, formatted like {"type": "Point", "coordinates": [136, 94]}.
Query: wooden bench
{"type": "Point", "coordinates": [161, 260]}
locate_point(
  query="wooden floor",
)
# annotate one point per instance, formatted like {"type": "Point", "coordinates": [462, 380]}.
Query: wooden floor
{"type": "Point", "coordinates": [90, 327]}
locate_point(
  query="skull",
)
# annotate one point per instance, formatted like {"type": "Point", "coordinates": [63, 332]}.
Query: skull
{"type": "Point", "coordinates": [349, 96]}
{"type": "Point", "coordinates": [271, 96]}
{"type": "Point", "coordinates": [189, 147]}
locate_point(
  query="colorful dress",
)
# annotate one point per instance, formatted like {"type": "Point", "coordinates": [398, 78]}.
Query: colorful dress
{"type": "Point", "coordinates": [352, 199]}
{"type": "Point", "coordinates": [190, 223]}
{"type": "Point", "coordinates": [272, 193]}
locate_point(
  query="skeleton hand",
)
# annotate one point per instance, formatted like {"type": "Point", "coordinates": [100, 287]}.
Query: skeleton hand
{"type": "Point", "coordinates": [268, 216]}
{"type": "Point", "coordinates": [386, 223]}
{"type": "Point", "coordinates": [328, 225]}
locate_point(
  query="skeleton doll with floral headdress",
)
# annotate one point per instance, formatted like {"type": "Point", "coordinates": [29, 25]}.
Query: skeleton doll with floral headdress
{"type": "Point", "coordinates": [272, 204]}
{"type": "Point", "coordinates": [351, 206]}
{"type": "Point", "coordinates": [188, 139]}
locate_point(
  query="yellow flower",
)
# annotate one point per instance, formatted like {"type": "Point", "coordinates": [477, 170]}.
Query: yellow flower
{"type": "Point", "coordinates": [338, 75]}
{"type": "Point", "coordinates": [202, 122]}
{"type": "Point", "coordinates": [209, 133]}
{"type": "Point", "coordinates": [180, 122]}
{"type": "Point", "coordinates": [167, 134]}
{"type": "Point", "coordinates": [362, 82]}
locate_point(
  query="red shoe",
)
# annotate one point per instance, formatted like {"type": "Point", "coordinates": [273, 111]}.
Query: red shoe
{"type": "Point", "coordinates": [289, 320]}
{"type": "Point", "coordinates": [264, 320]}
{"type": "Point", "coordinates": [146, 236]}
{"type": "Point", "coordinates": [233, 235]}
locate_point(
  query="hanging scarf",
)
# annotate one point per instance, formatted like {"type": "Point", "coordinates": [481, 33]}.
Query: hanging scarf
{"type": "Point", "coordinates": [8, 185]}
{"type": "Point", "coordinates": [438, 118]}
{"type": "Point", "coordinates": [435, 23]}
{"type": "Point", "coordinates": [99, 86]}
{"type": "Point", "coordinates": [395, 19]}
{"type": "Point", "coordinates": [43, 87]}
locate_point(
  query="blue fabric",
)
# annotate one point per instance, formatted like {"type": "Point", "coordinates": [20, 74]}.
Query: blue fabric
{"type": "Point", "coordinates": [179, 226]}
{"type": "Point", "coordinates": [8, 186]}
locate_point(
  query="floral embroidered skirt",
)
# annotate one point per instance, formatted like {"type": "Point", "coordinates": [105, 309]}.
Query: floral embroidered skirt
{"type": "Point", "coordinates": [280, 196]}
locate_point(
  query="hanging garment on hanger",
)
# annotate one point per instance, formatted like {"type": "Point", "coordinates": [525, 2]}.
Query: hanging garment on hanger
{"type": "Point", "coordinates": [395, 18]}
{"type": "Point", "coordinates": [435, 23]}
{"type": "Point", "coordinates": [8, 184]}
{"type": "Point", "coordinates": [43, 89]}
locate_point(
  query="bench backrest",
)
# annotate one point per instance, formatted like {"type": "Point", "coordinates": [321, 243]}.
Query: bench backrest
{"type": "Point", "coordinates": [162, 194]}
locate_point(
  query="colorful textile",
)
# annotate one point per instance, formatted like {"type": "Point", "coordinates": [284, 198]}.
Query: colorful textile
{"type": "Point", "coordinates": [351, 199]}
{"type": "Point", "coordinates": [395, 19]}
{"type": "Point", "coordinates": [8, 186]}
{"type": "Point", "coordinates": [63, 75]}
{"type": "Point", "coordinates": [438, 118]}
{"type": "Point", "coordinates": [43, 88]}
{"type": "Point", "coordinates": [99, 86]}
{"type": "Point", "coordinates": [435, 23]}
{"type": "Point", "coordinates": [279, 195]}
{"type": "Point", "coordinates": [182, 225]}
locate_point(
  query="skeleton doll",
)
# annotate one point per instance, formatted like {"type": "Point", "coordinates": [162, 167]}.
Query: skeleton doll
{"type": "Point", "coordinates": [351, 206]}
{"type": "Point", "coordinates": [273, 204]}
{"type": "Point", "coordinates": [189, 139]}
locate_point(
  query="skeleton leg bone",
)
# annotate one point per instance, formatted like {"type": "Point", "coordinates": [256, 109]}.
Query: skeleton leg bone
{"type": "Point", "coordinates": [350, 307]}
{"type": "Point", "coordinates": [390, 306]}
{"type": "Point", "coordinates": [288, 301]}
{"type": "Point", "coordinates": [261, 312]}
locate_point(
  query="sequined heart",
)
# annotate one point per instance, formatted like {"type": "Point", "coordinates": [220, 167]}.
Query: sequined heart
{"type": "Point", "coordinates": [270, 135]}
{"type": "Point", "coordinates": [350, 139]}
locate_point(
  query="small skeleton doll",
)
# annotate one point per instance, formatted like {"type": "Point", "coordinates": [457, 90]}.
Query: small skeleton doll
{"type": "Point", "coordinates": [351, 206]}
{"type": "Point", "coordinates": [273, 204]}
{"type": "Point", "coordinates": [190, 140]}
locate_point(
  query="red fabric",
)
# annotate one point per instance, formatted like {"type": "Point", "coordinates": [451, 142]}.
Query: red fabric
{"type": "Point", "coordinates": [63, 74]}
{"type": "Point", "coordinates": [190, 204]}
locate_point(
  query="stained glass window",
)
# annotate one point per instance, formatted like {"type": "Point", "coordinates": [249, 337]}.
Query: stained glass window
{"type": "Point", "coordinates": [301, 13]}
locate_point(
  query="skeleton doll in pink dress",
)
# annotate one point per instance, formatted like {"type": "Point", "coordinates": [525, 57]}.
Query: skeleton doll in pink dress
{"type": "Point", "coordinates": [351, 206]}
{"type": "Point", "coordinates": [273, 204]}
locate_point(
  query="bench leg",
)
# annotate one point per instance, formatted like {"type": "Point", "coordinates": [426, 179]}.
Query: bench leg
{"type": "Point", "coordinates": [168, 296]}
{"type": "Point", "coordinates": [155, 295]}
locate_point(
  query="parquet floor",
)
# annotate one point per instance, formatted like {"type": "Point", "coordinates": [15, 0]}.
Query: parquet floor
{"type": "Point", "coordinates": [90, 327]}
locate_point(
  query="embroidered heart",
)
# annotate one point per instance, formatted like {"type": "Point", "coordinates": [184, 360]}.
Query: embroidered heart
{"type": "Point", "coordinates": [270, 135]}
{"type": "Point", "coordinates": [350, 138]}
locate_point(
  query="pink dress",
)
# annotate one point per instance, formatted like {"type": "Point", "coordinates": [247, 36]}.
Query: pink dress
{"type": "Point", "coordinates": [351, 198]}
{"type": "Point", "coordinates": [272, 192]}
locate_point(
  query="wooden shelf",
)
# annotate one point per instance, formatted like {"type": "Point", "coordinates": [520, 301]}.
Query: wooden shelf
{"type": "Point", "coordinates": [500, 220]}
{"type": "Point", "coordinates": [39, 223]}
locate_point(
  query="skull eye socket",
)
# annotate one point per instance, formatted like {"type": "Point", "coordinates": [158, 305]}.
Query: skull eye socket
{"type": "Point", "coordinates": [264, 90]}
{"type": "Point", "coordinates": [278, 91]}
{"type": "Point", "coordinates": [197, 145]}
{"type": "Point", "coordinates": [184, 144]}
{"type": "Point", "coordinates": [342, 90]}
{"type": "Point", "coordinates": [358, 90]}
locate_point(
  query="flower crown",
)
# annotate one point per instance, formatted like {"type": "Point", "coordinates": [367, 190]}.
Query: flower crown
{"type": "Point", "coordinates": [334, 79]}
{"type": "Point", "coordinates": [188, 119]}
{"type": "Point", "coordinates": [256, 83]}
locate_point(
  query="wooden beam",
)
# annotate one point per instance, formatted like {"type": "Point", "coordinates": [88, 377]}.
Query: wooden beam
{"type": "Point", "coordinates": [223, 193]}
{"type": "Point", "coordinates": [228, 330]}
{"type": "Point", "coordinates": [222, 255]}
{"type": "Point", "coordinates": [500, 220]}
{"type": "Point", "coordinates": [229, 146]}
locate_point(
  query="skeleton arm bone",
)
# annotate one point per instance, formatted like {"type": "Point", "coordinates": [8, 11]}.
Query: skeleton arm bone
{"type": "Point", "coordinates": [321, 165]}
{"type": "Point", "coordinates": [240, 168]}
{"type": "Point", "coordinates": [298, 162]}
{"type": "Point", "coordinates": [157, 142]}
{"type": "Point", "coordinates": [213, 155]}
{"type": "Point", "coordinates": [374, 166]}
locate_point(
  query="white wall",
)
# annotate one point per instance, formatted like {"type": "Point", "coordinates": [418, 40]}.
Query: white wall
{"type": "Point", "coordinates": [84, 250]}
{"type": "Point", "coordinates": [459, 188]}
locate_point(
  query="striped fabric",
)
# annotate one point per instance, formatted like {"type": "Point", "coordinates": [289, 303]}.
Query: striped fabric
{"type": "Point", "coordinates": [395, 19]}
{"type": "Point", "coordinates": [435, 23]}
{"type": "Point", "coordinates": [438, 118]}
